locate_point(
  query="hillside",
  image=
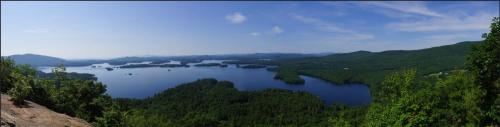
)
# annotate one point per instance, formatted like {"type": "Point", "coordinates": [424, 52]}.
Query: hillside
{"type": "Point", "coordinates": [370, 67]}
{"type": "Point", "coordinates": [36, 60]}
{"type": "Point", "coordinates": [212, 103]}
{"type": "Point", "coordinates": [32, 114]}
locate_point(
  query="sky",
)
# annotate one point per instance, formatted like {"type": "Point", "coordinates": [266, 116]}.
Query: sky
{"type": "Point", "coordinates": [95, 30]}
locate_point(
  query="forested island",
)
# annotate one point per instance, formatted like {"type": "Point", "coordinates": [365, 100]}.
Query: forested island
{"type": "Point", "coordinates": [408, 89]}
{"type": "Point", "coordinates": [210, 65]}
{"type": "Point", "coordinates": [252, 66]}
{"type": "Point", "coordinates": [153, 65]}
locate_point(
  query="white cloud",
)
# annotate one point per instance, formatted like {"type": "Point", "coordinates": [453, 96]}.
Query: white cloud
{"type": "Point", "coordinates": [413, 7]}
{"type": "Point", "coordinates": [479, 21]}
{"type": "Point", "coordinates": [273, 31]}
{"type": "Point", "coordinates": [255, 34]}
{"type": "Point", "coordinates": [276, 30]}
{"type": "Point", "coordinates": [417, 17]}
{"type": "Point", "coordinates": [236, 17]}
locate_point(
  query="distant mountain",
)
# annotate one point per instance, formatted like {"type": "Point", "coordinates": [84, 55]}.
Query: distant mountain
{"type": "Point", "coordinates": [37, 60]}
{"type": "Point", "coordinates": [443, 56]}
{"type": "Point", "coordinates": [252, 56]}
{"type": "Point", "coordinates": [41, 60]}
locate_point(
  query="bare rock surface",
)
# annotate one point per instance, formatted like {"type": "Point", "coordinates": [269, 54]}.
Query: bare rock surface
{"type": "Point", "coordinates": [34, 115]}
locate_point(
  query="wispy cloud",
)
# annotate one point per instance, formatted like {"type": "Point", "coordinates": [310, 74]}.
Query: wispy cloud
{"type": "Point", "coordinates": [347, 35]}
{"type": "Point", "coordinates": [417, 17]}
{"type": "Point", "coordinates": [273, 31]}
{"type": "Point", "coordinates": [413, 7]}
{"type": "Point", "coordinates": [478, 21]}
{"type": "Point", "coordinates": [236, 17]}
{"type": "Point", "coordinates": [276, 30]}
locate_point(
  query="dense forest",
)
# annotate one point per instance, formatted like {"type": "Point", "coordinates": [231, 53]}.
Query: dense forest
{"type": "Point", "coordinates": [405, 93]}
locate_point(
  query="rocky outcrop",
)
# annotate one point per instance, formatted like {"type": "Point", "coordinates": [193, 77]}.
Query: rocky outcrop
{"type": "Point", "coordinates": [34, 115]}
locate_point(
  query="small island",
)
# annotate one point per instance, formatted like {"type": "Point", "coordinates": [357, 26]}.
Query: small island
{"type": "Point", "coordinates": [138, 66]}
{"type": "Point", "coordinates": [210, 65]}
{"type": "Point", "coordinates": [253, 66]}
{"type": "Point", "coordinates": [153, 65]}
{"type": "Point", "coordinates": [109, 68]}
{"type": "Point", "coordinates": [289, 76]}
{"type": "Point", "coordinates": [174, 65]}
{"type": "Point", "coordinates": [160, 61]}
{"type": "Point", "coordinates": [187, 61]}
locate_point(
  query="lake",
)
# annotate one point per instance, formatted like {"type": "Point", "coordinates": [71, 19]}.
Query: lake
{"type": "Point", "coordinates": [144, 82]}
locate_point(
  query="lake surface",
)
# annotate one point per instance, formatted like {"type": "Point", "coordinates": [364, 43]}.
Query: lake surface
{"type": "Point", "coordinates": [146, 82]}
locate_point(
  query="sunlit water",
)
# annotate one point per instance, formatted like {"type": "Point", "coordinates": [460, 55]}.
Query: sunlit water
{"type": "Point", "coordinates": [144, 82]}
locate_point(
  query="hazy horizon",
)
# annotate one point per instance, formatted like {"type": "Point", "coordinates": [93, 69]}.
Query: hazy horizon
{"type": "Point", "coordinates": [104, 58]}
{"type": "Point", "coordinates": [103, 30]}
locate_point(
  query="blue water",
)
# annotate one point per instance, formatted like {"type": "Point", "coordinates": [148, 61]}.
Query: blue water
{"type": "Point", "coordinates": [146, 82]}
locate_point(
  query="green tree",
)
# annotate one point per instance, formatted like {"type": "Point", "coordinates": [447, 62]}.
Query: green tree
{"type": "Point", "coordinates": [60, 75]}
{"type": "Point", "coordinates": [6, 80]}
{"type": "Point", "coordinates": [459, 100]}
{"type": "Point", "coordinates": [393, 106]}
{"type": "Point", "coordinates": [112, 117]}
{"type": "Point", "coordinates": [21, 89]}
{"type": "Point", "coordinates": [484, 62]}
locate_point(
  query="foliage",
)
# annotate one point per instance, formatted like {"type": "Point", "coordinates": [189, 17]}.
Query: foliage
{"type": "Point", "coordinates": [484, 63]}
{"type": "Point", "coordinates": [346, 116]}
{"type": "Point", "coordinates": [69, 75]}
{"type": "Point", "coordinates": [111, 117]}
{"type": "Point", "coordinates": [371, 67]}
{"type": "Point", "coordinates": [75, 97]}
{"type": "Point", "coordinates": [454, 100]}
{"type": "Point", "coordinates": [462, 98]}
{"type": "Point", "coordinates": [137, 118]}
{"type": "Point", "coordinates": [21, 89]}
{"type": "Point", "coordinates": [289, 76]}
{"type": "Point", "coordinates": [209, 102]}
{"type": "Point", "coordinates": [6, 77]}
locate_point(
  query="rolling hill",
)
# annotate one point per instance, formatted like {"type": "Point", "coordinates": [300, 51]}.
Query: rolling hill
{"type": "Point", "coordinates": [41, 60]}
{"type": "Point", "coordinates": [37, 60]}
{"type": "Point", "coordinates": [370, 67]}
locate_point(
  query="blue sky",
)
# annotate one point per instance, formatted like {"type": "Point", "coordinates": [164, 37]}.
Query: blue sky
{"type": "Point", "coordinates": [81, 30]}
